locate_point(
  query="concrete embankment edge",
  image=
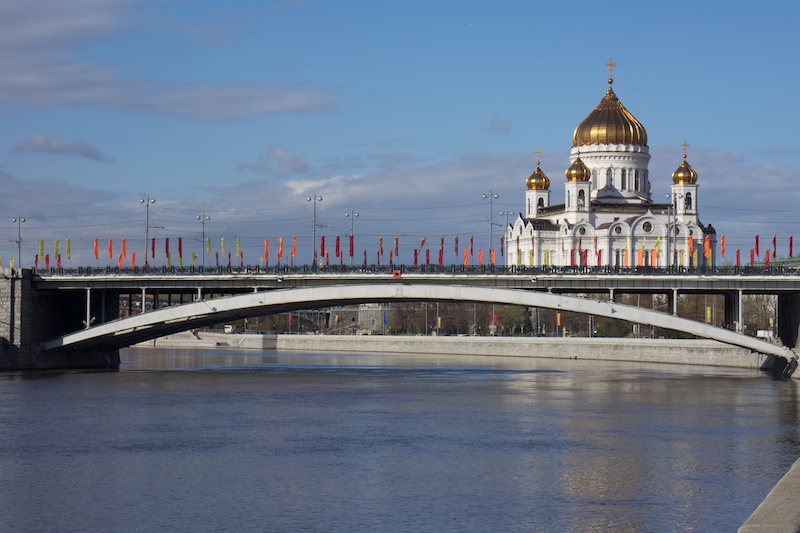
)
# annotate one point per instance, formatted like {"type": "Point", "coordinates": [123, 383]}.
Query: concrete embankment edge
{"type": "Point", "coordinates": [780, 511]}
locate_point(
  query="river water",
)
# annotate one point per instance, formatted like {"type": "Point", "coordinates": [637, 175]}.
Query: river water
{"type": "Point", "coordinates": [193, 441]}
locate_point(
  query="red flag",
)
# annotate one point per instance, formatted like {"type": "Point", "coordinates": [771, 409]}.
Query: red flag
{"type": "Point", "coordinates": [502, 242]}
{"type": "Point", "coordinates": [266, 251]}
{"type": "Point", "coordinates": [58, 260]}
{"type": "Point", "coordinates": [774, 245]}
{"type": "Point", "coordinates": [441, 256]}
{"type": "Point", "coordinates": [428, 256]}
{"type": "Point", "coordinates": [229, 258]}
{"type": "Point", "coordinates": [766, 258]}
{"type": "Point", "coordinates": [480, 256]}
{"type": "Point", "coordinates": [36, 261]}
{"type": "Point", "coordinates": [790, 246]}
{"type": "Point", "coordinates": [416, 257]}
{"type": "Point", "coordinates": [166, 247]}
{"type": "Point", "coordinates": [756, 248]}
{"type": "Point", "coordinates": [338, 249]}
{"type": "Point", "coordinates": [119, 260]}
{"type": "Point", "coordinates": [280, 249]}
{"type": "Point", "coordinates": [294, 245]}
{"type": "Point", "coordinates": [322, 246]}
{"type": "Point", "coordinates": [153, 248]}
{"type": "Point", "coordinates": [722, 246]}
{"type": "Point", "coordinates": [752, 258]}
{"type": "Point", "coordinates": [352, 245]}
{"type": "Point", "coordinates": [455, 245]}
{"type": "Point", "coordinates": [47, 261]}
{"type": "Point", "coordinates": [96, 257]}
{"type": "Point", "coordinates": [572, 257]}
{"type": "Point", "coordinates": [133, 260]}
{"type": "Point", "coordinates": [124, 248]}
{"type": "Point", "coordinates": [396, 246]}
{"type": "Point", "coordinates": [111, 248]}
{"type": "Point", "coordinates": [738, 258]}
{"type": "Point", "coordinates": [180, 247]}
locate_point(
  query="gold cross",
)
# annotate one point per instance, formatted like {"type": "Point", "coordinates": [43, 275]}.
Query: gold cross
{"type": "Point", "coordinates": [610, 66]}
{"type": "Point", "coordinates": [685, 146]}
{"type": "Point", "coordinates": [538, 156]}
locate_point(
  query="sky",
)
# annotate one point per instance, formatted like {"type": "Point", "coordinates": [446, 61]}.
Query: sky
{"type": "Point", "coordinates": [406, 113]}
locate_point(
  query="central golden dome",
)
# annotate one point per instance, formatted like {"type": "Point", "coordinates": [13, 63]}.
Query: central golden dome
{"type": "Point", "coordinates": [609, 123]}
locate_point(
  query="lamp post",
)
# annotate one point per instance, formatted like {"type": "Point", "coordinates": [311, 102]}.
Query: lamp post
{"type": "Point", "coordinates": [314, 199]}
{"type": "Point", "coordinates": [19, 221]}
{"type": "Point", "coordinates": [352, 215]}
{"type": "Point", "coordinates": [491, 197]}
{"type": "Point", "coordinates": [146, 201]}
{"type": "Point", "coordinates": [202, 218]}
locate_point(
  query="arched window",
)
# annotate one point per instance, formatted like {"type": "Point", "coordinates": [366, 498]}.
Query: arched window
{"type": "Point", "coordinates": [636, 180]}
{"type": "Point", "coordinates": [609, 178]}
{"type": "Point", "coordinates": [568, 199]}
{"type": "Point", "coordinates": [581, 199]}
{"type": "Point", "coordinates": [623, 184]}
{"type": "Point", "coordinates": [541, 202]}
{"type": "Point", "coordinates": [688, 202]}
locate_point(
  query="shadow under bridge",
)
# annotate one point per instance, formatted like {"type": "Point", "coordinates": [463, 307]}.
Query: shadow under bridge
{"type": "Point", "coordinates": [151, 325]}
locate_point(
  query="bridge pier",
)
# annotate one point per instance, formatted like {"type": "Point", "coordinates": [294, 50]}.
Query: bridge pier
{"type": "Point", "coordinates": [733, 310]}
{"type": "Point", "coordinates": [29, 317]}
{"type": "Point", "coordinates": [789, 318]}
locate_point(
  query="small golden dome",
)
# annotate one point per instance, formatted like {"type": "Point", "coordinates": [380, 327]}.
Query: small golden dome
{"type": "Point", "coordinates": [684, 174]}
{"type": "Point", "coordinates": [609, 123]}
{"type": "Point", "coordinates": [538, 181]}
{"type": "Point", "coordinates": [578, 171]}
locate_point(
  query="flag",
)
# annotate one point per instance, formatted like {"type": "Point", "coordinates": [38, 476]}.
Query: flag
{"type": "Point", "coordinates": [441, 243]}
{"type": "Point", "coordinates": [752, 258]}
{"type": "Point", "coordinates": [96, 257]}
{"type": "Point", "coordinates": [441, 256]}
{"type": "Point", "coordinates": [466, 257]}
{"type": "Point", "coordinates": [338, 249]}
{"type": "Point", "coordinates": [756, 247]}
{"type": "Point", "coordinates": [502, 247]}
{"type": "Point", "coordinates": [690, 244]}
{"type": "Point", "coordinates": [391, 254]}
{"type": "Point", "coordinates": [36, 261]}
{"type": "Point", "coordinates": [378, 257]}
{"type": "Point", "coordinates": [69, 249]}
{"type": "Point", "coordinates": [365, 257]}
{"type": "Point", "coordinates": [657, 248]}
{"type": "Point", "coordinates": [180, 247]}
{"type": "Point", "coordinates": [774, 245]}
{"type": "Point", "coordinates": [322, 247]}
{"type": "Point", "coordinates": [222, 246]}
{"type": "Point", "coordinates": [480, 256]}
{"type": "Point", "coordinates": [110, 248]}
{"type": "Point", "coordinates": [470, 245]}
{"type": "Point", "coordinates": [216, 258]}
{"type": "Point", "coordinates": [428, 256]}
{"type": "Point", "coordinates": [280, 249]}
{"type": "Point", "coordinates": [738, 258]}
{"type": "Point", "coordinates": [491, 256]}
{"type": "Point", "coordinates": [41, 248]}
{"type": "Point", "coordinates": [266, 251]}
{"type": "Point", "coordinates": [766, 259]}
{"type": "Point", "coordinates": [46, 261]}
{"type": "Point", "coordinates": [422, 243]}
{"type": "Point", "coordinates": [380, 245]}
{"type": "Point", "coordinates": [238, 246]}
{"type": "Point", "coordinates": [722, 246]}
{"type": "Point", "coordinates": [11, 262]}
{"type": "Point", "coordinates": [352, 245]}
{"type": "Point", "coordinates": [294, 245]}
{"type": "Point", "coordinates": [639, 254]}
{"type": "Point", "coordinates": [119, 260]}
{"type": "Point", "coordinates": [396, 246]}
{"type": "Point", "coordinates": [124, 249]}
{"type": "Point", "coordinates": [580, 243]}
{"type": "Point", "coordinates": [416, 257]}
{"type": "Point", "coordinates": [166, 249]}
{"type": "Point", "coordinates": [55, 248]}
{"type": "Point", "coordinates": [707, 247]}
{"type": "Point", "coordinates": [208, 246]}
{"type": "Point", "coordinates": [194, 258]}
{"type": "Point", "coordinates": [229, 259]}
{"type": "Point", "coordinates": [455, 244]}
{"type": "Point", "coordinates": [790, 246]}
{"type": "Point", "coordinates": [153, 247]}
{"type": "Point", "coordinates": [133, 260]}
{"type": "Point", "coordinates": [595, 247]}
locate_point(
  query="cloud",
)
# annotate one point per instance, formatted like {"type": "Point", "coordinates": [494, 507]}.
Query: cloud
{"type": "Point", "coordinates": [499, 126]}
{"type": "Point", "coordinates": [39, 142]}
{"type": "Point", "coordinates": [276, 156]}
{"type": "Point", "coordinates": [42, 40]}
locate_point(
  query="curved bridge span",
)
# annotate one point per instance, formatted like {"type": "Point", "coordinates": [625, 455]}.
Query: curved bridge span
{"type": "Point", "coordinates": [128, 331]}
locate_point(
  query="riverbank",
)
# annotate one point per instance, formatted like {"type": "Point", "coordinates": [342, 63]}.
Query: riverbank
{"type": "Point", "coordinates": [671, 351]}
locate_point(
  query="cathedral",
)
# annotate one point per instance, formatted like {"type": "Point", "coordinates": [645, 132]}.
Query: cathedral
{"type": "Point", "coordinates": [609, 217]}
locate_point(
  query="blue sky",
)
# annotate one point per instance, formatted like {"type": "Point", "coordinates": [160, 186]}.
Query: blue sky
{"type": "Point", "coordinates": [406, 112]}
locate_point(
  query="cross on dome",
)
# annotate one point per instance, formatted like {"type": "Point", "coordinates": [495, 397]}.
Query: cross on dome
{"type": "Point", "coordinates": [610, 64]}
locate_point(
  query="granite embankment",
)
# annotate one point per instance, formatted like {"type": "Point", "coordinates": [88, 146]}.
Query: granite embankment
{"type": "Point", "coordinates": [675, 351]}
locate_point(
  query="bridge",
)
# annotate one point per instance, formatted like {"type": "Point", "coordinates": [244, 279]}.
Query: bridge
{"type": "Point", "coordinates": [64, 303]}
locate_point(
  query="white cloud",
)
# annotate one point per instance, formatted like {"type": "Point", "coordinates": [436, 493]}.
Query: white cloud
{"type": "Point", "coordinates": [499, 126]}
{"type": "Point", "coordinates": [265, 164]}
{"type": "Point", "coordinates": [41, 41]}
{"type": "Point", "coordinates": [39, 142]}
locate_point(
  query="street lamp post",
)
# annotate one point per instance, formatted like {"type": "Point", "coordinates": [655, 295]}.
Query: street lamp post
{"type": "Point", "coordinates": [146, 201]}
{"type": "Point", "coordinates": [314, 199]}
{"type": "Point", "coordinates": [352, 215]}
{"type": "Point", "coordinates": [202, 218]}
{"type": "Point", "coordinates": [19, 221]}
{"type": "Point", "coordinates": [491, 197]}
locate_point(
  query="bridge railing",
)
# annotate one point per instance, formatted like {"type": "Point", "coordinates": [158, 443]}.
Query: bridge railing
{"type": "Point", "coordinates": [780, 270]}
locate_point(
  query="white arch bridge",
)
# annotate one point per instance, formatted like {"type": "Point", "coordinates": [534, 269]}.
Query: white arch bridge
{"type": "Point", "coordinates": [146, 326]}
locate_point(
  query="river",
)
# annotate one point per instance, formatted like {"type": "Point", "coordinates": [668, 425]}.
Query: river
{"type": "Point", "coordinates": [213, 440]}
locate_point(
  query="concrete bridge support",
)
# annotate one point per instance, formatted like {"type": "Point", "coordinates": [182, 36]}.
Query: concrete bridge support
{"type": "Point", "coordinates": [789, 318]}
{"type": "Point", "coordinates": [29, 317]}
{"type": "Point", "coordinates": [733, 310]}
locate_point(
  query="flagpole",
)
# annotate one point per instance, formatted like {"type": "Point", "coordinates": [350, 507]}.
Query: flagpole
{"type": "Point", "coordinates": [352, 215]}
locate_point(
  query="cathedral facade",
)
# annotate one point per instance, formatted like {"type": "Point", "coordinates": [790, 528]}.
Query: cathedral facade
{"type": "Point", "coordinates": [609, 218]}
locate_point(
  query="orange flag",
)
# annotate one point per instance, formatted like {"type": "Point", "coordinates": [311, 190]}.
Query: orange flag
{"type": "Point", "coordinates": [466, 257]}
{"type": "Point", "coordinates": [294, 246]}
{"type": "Point", "coordinates": [96, 256]}
{"type": "Point", "coordinates": [124, 248]}
{"type": "Point", "coordinates": [266, 250]}
{"type": "Point", "coordinates": [280, 248]}
{"type": "Point", "coordinates": [110, 248]}
{"type": "Point", "coordinates": [722, 246]}
{"type": "Point", "coordinates": [707, 246]}
{"type": "Point", "coordinates": [480, 256]}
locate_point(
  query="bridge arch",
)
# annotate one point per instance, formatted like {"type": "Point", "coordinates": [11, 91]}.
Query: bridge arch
{"type": "Point", "coordinates": [128, 331]}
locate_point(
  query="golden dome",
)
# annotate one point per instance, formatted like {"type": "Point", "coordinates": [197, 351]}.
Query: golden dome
{"type": "Point", "coordinates": [609, 123]}
{"type": "Point", "coordinates": [578, 171]}
{"type": "Point", "coordinates": [685, 174]}
{"type": "Point", "coordinates": [538, 181]}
